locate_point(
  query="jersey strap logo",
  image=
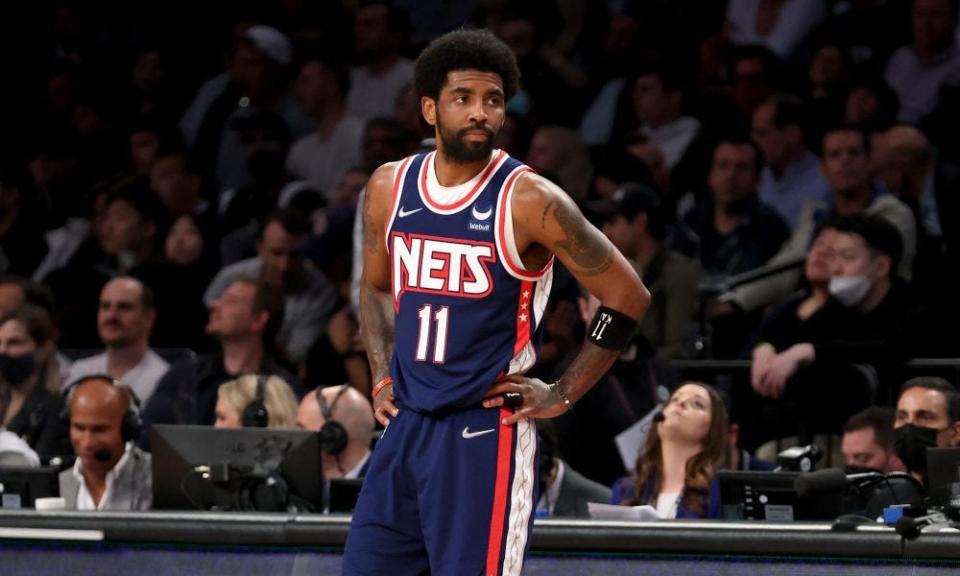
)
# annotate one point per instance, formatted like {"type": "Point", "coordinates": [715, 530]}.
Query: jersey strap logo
{"type": "Point", "coordinates": [481, 215]}
{"type": "Point", "coordinates": [437, 265]}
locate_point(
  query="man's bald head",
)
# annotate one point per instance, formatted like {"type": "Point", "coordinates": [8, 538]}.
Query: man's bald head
{"type": "Point", "coordinates": [97, 408]}
{"type": "Point", "coordinates": [100, 395]}
{"type": "Point", "coordinates": [902, 157]}
{"type": "Point", "coordinates": [902, 144]}
{"type": "Point", "coordinates": [352, 411]}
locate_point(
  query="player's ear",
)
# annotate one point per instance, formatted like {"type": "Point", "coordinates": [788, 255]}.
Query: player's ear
{"type": "Point", "coordinates": [428, 107]}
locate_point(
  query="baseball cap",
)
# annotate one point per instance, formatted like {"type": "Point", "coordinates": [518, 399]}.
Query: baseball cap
{"type": "Point", "coordinates": [272, 42]}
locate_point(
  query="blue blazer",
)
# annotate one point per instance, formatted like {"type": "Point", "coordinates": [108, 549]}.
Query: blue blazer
{"type": "Point", "coordinates": [624, 487]}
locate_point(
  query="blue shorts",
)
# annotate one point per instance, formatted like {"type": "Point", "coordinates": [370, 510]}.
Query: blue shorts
{"type": "Point", "coordinates": [451, 494]}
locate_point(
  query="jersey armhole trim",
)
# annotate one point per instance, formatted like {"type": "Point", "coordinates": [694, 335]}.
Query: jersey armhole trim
{"type": "Point", "coordinates": [506, 240]}
{"type": "Point", "coordinates": [398, 179]}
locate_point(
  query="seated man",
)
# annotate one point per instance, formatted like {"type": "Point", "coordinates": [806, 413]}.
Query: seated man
{"type": "Point", "coordinates": [928, 416]}
{"type": "Point", "coordinates": [244, 320]}
{"type": "Point", "coordinates": [866, 319]}
{"type": "Point", "coordinates": [733, 230]}
{"type": "Point", "coordinates": [346, 451]}
{"type": "Point", "coordinates": [633, 220]}
{"type": "Point", "coordinates": [110, 473]}
{"type": "Point", "coordinates": [564, 492]}
{"type": "Point", "coordinates": [125, 319]}
{"type": "Point", "coordinates": [309, 297]}
{"type": "Point", "coordinates": [868, 440]}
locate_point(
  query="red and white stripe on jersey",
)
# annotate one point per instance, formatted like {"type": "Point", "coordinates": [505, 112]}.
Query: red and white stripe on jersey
{"type": "Point", "coordinates": [535, 286]}
{"type": "Point", "coordinates": [398, 178]}
{"type": "Point", "coordinates": [435, 205]}
{"type": "Point", "coordinates": [531, 306]}
{"type": "Point", "coordinates": [513, 497]}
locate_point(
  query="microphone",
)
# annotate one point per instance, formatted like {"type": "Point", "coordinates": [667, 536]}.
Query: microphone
{"type": "Point", "coordinates": [659, 417]}
{"type": "Point", "coordinates": [832, 480]}
{"type": "Point", "coordinates": [910, 527]}
{"type": "Point", "coordinates": [103, 455]}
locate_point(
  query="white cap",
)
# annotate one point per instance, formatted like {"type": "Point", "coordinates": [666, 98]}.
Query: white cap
{"type": "Point", "coordinates": [273, 43]}
{"type": "Point", "coordinates": [50, 504]}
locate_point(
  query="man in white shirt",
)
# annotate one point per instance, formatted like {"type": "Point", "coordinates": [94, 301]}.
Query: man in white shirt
{"type": "Point", "coordinates": [345, 406]}
{"type": "Point", "coordinates": [124, 321]}
{"type": "Point", "coordinates": [323, 156]}
{"type": "Point", "coordinates": [918, 71]}
{"type": "Point", "coordinates": [379, 32]}
{"type": "Point", "coordinates": [110, 473]}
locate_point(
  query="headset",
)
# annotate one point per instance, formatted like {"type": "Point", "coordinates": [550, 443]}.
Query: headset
{"type": "Point", "coordinates": [132, 426]}
{"type": "Point", "coordinates": [255, 415]}
{"type": "Point", "coordinates": [333, 436]}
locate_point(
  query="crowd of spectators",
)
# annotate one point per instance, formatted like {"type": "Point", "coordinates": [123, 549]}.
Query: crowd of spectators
{"type": "Point", "coordinates": [179, 192]}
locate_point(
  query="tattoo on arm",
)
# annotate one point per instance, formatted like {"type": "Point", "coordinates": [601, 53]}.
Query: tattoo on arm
{"type": "Point", "coordinates": [369, 226]}
{"type": "Point", "coordinates": [583, 243]}
{"type": "Point", "coordinates": [589, 366]}
{"type": "Point", "coordinates": [377, 326]}
{"type": "Point", "coordinates": [546, 211]}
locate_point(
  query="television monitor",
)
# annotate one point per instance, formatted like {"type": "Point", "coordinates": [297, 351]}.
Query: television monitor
{"type": "Point", "coordinates": [255, 469]}
{"type": "Point", "coordinates": [752, 495]}
{"type": "Point", "coordinates": [20, 486]}
{"type": "Point", "coordinates": [942, 473]}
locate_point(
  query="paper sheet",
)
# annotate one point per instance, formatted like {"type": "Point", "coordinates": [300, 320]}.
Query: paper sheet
{"type": "Point", "coordinates": [631, 440]}
{"type": "Point", "coordinates": [612, 512]}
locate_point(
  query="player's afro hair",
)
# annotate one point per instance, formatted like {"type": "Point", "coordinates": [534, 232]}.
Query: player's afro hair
{"type": "Point", "coordinates": [464, 50]}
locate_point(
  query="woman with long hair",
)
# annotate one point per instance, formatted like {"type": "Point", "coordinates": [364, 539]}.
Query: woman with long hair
{"type": "Point", "coordinates": [676, 466]}
{"type": "Point", "coordinates": [30, 402]}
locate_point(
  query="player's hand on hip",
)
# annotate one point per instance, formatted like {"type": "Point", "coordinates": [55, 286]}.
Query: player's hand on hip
{"type": "Point", "coordinates": [383, 406]}
{"type": "Point", "coordinates": [538, 399]}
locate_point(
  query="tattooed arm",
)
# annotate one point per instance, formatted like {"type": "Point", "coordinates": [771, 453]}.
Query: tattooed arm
{"type": "Point", "coordinates": [376, 305]}
{"type": "Point", "coordinates": [547, 221]}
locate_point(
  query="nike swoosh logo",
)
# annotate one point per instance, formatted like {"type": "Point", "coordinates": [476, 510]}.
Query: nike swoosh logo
{"type": "Point", "coordinates": [467, 434]}
{"type": "Point", "coordinates": [404, 213]}
{"type": "Point", "coordinates": [482, 215]}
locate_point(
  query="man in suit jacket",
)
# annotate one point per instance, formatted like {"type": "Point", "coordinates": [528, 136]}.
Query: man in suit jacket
{"type": "Point", "coordinates": [110, 473]}
{"type": "Point", "coordinates": [564, 492]}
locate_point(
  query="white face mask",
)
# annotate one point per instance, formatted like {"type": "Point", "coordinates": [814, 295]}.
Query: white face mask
{"type": "Point", "coordinates": [849, 290]}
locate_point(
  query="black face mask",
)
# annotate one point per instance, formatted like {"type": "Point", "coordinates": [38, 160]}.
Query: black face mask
{"type": "Point", "coordinates": [911, 442]}
{"type": "Point", "coordinates": [16, 369]}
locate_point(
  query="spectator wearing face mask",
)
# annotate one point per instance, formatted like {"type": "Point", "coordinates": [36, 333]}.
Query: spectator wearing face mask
{"type": "Point", "coordinates": [928, 416]}
{"type": "Point", "coordinates": [30, 402]}
{"type": "Point", "coordinates": [866, 319]}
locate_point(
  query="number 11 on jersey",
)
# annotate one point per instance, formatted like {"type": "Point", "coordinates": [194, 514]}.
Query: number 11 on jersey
{"type": "Point", "coordinates": [441, 318]}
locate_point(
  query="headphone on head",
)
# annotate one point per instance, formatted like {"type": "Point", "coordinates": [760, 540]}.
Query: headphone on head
{"type": "Point", "coordinates": [132, 426]}
{"type": "Point", "coordinates": [255, 414]}
{"type": "Point", "coordinates": [333, 436]}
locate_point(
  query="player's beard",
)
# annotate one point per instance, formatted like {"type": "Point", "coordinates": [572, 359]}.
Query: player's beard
{"type": "Point", "coordinates": [458, 150]}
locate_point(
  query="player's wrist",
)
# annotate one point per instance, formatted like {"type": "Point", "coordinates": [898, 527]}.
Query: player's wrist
{"type": "Point", "coordinates": [560, 392]}
{"type": "Point", "coordinates": [380, 386]}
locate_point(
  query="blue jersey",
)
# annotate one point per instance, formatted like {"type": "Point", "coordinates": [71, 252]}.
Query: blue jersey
{"type": "Point", "coordinates": [467, 312]}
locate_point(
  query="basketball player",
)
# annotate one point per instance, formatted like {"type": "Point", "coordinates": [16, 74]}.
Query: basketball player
{"type": "Point", "coordinates": [458, 252]}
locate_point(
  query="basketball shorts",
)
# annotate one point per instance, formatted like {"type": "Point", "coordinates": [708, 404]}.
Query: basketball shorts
{"type": "Point", "coordinates": [446, 495]}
